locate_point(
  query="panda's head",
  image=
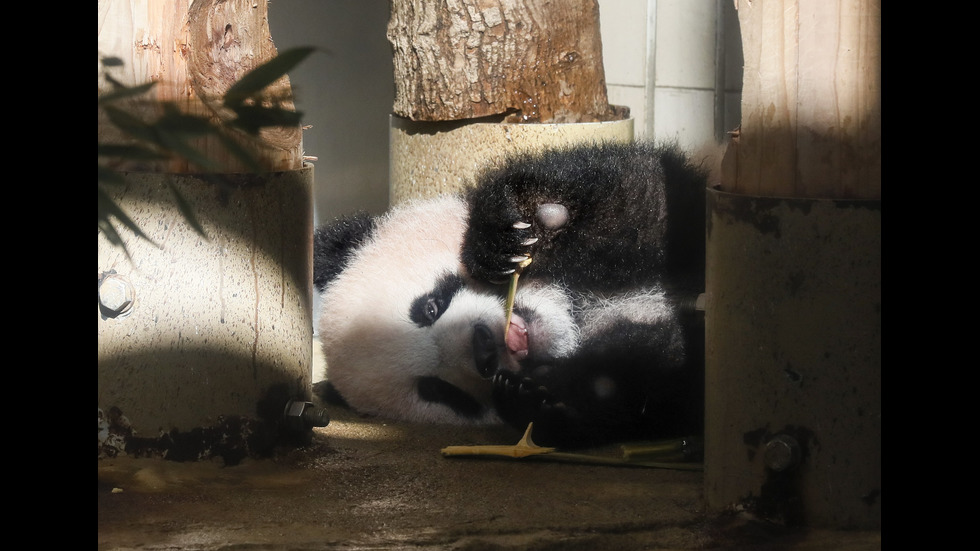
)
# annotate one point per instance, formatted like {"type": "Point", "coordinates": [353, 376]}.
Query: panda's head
{"type": "Point", "coordinates": [406, 335]}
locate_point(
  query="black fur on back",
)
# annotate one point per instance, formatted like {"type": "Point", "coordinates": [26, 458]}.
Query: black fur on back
{"type": "Point", "coordinates": [335, 244]}
{"type": "Point", "coordinates": [686, 188]}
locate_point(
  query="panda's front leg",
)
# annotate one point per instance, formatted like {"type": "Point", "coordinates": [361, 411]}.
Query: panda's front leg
{"type": "Point", "coordinates": [519, 401]}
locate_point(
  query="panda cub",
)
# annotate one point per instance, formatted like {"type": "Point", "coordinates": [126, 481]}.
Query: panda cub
{"type": "Point", "coordinates": [604, 343]}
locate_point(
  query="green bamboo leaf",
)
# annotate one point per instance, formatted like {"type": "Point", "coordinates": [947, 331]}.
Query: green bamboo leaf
{"type": "Point", "coordinates": [130, 125]}
{"type": "Point", "coordinates": [129, 152]}
{"type": "Point", "coordinates": [110, 233]}
{"type": "Point", "coordinates": [174, 131]}
{"type": "Point", "coordinates": [177, 142]}
{"type": "Point", "coordinates": [240, 153]}
{"type": "Point", "coordinates": [109, 176]}
{"type": "Point", "coordinates": [258, 78]}
{"type": "Point", "coordinates": [252, 118]}
{"type": "Point", "coordinates": [113, 237]}
{"type": "Point", "coordinates": [108, 209]}
{"type": "Point", "coordinates": [185, 209]}
{"type": "Point", "coordinates": [175, 121]}
{"type": "Point", "coordinates": [120, 91]}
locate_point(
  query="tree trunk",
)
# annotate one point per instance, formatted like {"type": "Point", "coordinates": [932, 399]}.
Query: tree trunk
{"type": "Point", "coordinates": [195, 50]}
{"type": "Point", "coordinates": [536, 60]}
{"type": "Point", "coordinates": [811, 99]}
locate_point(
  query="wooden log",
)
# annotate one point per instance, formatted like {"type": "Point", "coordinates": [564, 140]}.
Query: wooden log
{"type": "Point", "coordinates": [195, 50]}
{"type": "Point", "coordinates": [537, 60]}
{"type": "Point", "coordinates": [811, 99]}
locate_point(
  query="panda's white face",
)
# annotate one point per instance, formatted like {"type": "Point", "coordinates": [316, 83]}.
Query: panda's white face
{"type": "Point", "coordinates": [406, 337]}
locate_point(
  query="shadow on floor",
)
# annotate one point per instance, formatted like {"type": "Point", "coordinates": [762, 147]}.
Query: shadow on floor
{"type": "Point", "coordinates": [371, 484]}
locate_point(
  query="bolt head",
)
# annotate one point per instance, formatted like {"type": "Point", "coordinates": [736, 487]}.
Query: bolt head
{"type": "Point", "coordinates": [116, 296]}
{"type": "Point", "coordinates": [293, 415]}
{"type": "Point", "coordinates": [782, 453]}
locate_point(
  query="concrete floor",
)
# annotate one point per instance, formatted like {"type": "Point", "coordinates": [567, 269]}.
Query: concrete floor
{"type": "Point", "coordinates": [369, 484]}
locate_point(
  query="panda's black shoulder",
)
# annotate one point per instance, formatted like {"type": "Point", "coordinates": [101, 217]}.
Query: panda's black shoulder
{"type": "Point", "coordinates": [637, 164]}
{"type": "Point", "coordinates": [336, 243]}
{"type": "Point", "coordinates": [686, 183]}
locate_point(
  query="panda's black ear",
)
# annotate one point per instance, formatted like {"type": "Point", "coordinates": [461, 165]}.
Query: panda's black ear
{"type": "Point", "coordinates": [335, 243]}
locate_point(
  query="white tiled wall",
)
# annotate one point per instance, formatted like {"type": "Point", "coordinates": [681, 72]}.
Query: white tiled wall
{"type": "Point", "coordinates": [662, 58]}
{"type": "Point", "coordinates": [623, 24]}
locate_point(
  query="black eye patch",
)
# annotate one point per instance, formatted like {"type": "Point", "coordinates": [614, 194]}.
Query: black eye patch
{"type": "Point", "coordinates": [427, 308]}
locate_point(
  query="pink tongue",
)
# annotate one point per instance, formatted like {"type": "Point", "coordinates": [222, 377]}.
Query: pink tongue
{"type": "Point", "coordinates": [517, 337]}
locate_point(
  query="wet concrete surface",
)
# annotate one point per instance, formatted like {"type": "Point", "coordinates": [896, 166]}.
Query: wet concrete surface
{"type": "Point", "coordinates": [372, 484]}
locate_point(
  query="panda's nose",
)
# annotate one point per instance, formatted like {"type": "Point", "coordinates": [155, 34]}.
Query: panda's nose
{"type": "Point", "coordinates": [484, 350]}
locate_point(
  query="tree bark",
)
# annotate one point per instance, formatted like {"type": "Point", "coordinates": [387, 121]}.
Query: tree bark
{"type": "Point", "coordinates": [534, 60]}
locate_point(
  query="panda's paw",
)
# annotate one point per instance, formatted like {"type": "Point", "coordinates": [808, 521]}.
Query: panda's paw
{"type": "Point", "coordinates": [503, 242]}
{"type": "Point", "coordinates": [519, 400]}
{"type": "Point", "coordinates": [494, 254]}
{"type": "Point", "coordinates": [551, 216]}
{"type": "Point", "coordinates": [516, 251]}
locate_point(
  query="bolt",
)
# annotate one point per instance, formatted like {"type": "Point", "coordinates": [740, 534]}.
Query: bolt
{"type": "Point", "coordinates": [782, 453]}
{"type": "Point", "coordinates": [300, 416]}
{"type": "Point", "coordinates": [116, 295]}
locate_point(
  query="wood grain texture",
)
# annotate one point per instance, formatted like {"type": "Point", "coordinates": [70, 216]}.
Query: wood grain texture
{"type": "Point", "coordinates": [811, 99]}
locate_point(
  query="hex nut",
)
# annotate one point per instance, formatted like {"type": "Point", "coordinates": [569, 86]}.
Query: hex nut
{"type": "Point", "coordinates": [116, 295]}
